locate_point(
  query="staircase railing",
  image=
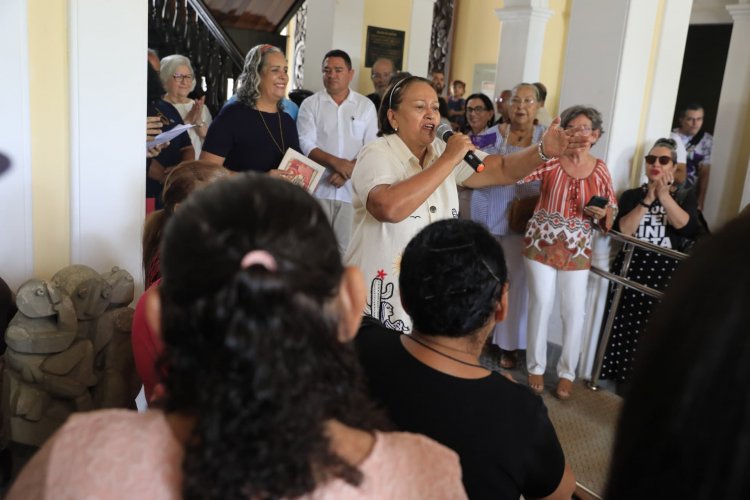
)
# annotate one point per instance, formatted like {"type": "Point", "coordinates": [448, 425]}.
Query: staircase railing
{"type": "Point", "coordinates": [187, 27]}
{"type": "Point", "coordinates": [621, 281]}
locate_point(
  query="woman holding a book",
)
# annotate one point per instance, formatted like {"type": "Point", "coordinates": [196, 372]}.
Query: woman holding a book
{"type": "Point", "coordinates": [253, 132]}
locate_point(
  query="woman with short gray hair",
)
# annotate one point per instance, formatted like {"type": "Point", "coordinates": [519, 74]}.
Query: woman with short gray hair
{"type": "Point", "coordinates": [253, 132]}
{"type": "Point", "coordinates": [576, 195]}
{"type": "Point", "coordinates": [178, 78]}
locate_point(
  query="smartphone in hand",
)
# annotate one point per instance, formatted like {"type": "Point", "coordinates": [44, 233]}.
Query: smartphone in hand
{"type": "Point", "coordinates": [598, 201]}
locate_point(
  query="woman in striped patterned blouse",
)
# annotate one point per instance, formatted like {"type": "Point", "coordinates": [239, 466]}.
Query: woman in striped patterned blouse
{"type": "Point", "coordinates": [557, 246]}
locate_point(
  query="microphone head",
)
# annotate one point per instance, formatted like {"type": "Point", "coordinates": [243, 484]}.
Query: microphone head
{"type": "Point", "coordinates": [444, 131]}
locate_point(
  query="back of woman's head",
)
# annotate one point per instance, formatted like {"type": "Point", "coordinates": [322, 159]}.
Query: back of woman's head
{"type": "Point", "coordinates": [181, 181]}
{"type": "Point", "coordinates": [249, 275]}
{"type": "Point", "coordinates": [685, 426]}
{"type": "Point", "coordinates": [452, 276]}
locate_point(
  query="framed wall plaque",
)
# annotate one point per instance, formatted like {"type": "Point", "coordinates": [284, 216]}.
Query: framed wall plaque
{"type": "Point", "coordinates": [384, 42]}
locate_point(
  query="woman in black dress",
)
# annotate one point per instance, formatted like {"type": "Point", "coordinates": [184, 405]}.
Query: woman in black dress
{"type": "Point", "coordinates": [660, 214]}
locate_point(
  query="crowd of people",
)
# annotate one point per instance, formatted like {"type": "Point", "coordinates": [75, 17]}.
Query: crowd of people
{"type": "Point", "coordinates": [328, 346]}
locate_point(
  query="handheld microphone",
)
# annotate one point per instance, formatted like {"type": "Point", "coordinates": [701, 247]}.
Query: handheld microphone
{"type": "Point", "coordinates": [444, 132]}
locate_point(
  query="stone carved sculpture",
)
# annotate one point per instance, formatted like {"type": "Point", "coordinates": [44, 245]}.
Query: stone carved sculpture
{"type": "Point", "coordinates": [68, 350]}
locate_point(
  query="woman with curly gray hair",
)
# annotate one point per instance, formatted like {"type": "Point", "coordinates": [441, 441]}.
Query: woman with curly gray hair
{"type": "Point", "coordinates": [253, 133]}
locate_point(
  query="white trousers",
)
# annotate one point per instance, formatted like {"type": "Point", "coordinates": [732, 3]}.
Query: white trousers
{"type": "Point", "coordinates": [511, 333]}
{"type": "Point", "coordinates": [341, 215]}
{"type": "Point", "coordinates": [543, 281]}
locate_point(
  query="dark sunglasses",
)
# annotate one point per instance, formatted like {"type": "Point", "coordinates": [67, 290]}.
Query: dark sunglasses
{"type": "Point", "coordinates": [663, 160]}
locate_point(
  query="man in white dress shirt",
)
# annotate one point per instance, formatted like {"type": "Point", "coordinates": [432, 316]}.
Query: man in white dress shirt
{"type": "Point", "coordinates": [333, 125]}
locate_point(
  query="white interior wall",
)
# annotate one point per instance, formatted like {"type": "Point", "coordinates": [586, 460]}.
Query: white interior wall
{"type": "Point", "coordinates": [347, 34]}
{"type": "Point", "coordinates": [108, 109]}
{"type": "Point", "coordinates": [667, 70]}
{"type": "Point", "coordinates": [606, 66]}
{"type": "Point", "coordinates": [420, 30]}
{"type": "Point", "coordinates": [728, 170]}
{"type": "Point", "coordinates": [16, 244]}
{"type": "Point", "coordinates": [332, 24]}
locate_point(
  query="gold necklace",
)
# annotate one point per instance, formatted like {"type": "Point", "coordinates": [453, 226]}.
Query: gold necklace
{"type": "Point", "coordinates": [520, 137]}
{"type": "Point", "coordinates": [281, 148]}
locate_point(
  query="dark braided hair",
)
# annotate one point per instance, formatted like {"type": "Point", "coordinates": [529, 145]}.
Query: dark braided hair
{"type": "Point", "coordinates": [452, 276]}
{"type": "Point", "coordinates": [254, 354]}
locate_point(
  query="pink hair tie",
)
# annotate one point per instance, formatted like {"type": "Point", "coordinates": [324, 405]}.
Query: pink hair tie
{"type": "Point", "coordinates": [260, 257]}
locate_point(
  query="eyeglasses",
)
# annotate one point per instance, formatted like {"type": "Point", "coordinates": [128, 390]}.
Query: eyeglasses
{"type": "Point", "coordinates": [477, 109]}
{"type": "Point", "coordinates": [663, 160]}
{"type": "Point", "coordinates": [517, 101]}
{"type": "Point", "coordinates": [381, 75]}
{"type": "Point", "coordinates": [583, 128]}
{"type": "Point", "coordinates": [181, 78]}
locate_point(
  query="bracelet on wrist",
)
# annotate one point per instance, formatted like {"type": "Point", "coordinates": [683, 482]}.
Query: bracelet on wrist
{"type": "Point", "coordinates": [647, 205]}
{"type": "Point", "coordinates": [540, 150]}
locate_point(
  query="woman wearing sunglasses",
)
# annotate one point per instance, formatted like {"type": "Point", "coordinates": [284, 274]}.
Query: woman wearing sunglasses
{"type": "Point", "coordinates": [654, 213]}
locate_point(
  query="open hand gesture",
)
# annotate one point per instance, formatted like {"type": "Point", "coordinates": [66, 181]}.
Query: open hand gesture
{"type": "Point", "coordinates": [557, 140]}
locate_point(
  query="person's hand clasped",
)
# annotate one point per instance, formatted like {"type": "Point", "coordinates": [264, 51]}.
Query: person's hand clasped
{"type": "Point", "coordinates": [336, 180]}
{"type": "Point", "coordinates": [196, 112]}
{"type": "Point", "coordinates": [344, 168]}
{"type": "Point", "coordinates": [663, 185]}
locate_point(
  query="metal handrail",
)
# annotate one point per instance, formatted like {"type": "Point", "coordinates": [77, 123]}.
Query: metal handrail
{"type": "Point", "coordinates": [621, 281]}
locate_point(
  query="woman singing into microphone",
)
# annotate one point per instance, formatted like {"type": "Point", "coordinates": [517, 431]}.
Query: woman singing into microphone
{"type": "Point", "coordinates": [407, 179]}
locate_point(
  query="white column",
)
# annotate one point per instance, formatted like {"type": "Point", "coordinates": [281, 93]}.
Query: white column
{"type": "Point", "coordinates": [108, 112]}
{"type": "Point", "coordinates": [746, 192]}
{"type": "Point", "coordinates": [16, 251]}
{"type": "Point", "coordinates": [522, 26]}
{"type": "Point", "coordinates": [732, 131]}
{"type": "Point", "coordinates": [606, 66]}
{"type": "Point", "coordinates": [331, 25]}
{"type": "Point", "coordinates": [667, 70]}
{"type": "Point", "coordinates": [420, 29]}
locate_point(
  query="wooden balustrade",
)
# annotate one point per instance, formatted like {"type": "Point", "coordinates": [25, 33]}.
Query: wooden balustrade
{"type": "Point", "coordinates": [187, 27]}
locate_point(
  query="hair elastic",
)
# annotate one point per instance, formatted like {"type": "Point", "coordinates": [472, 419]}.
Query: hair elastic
{"type": "Point", "coordinates": [260, 257]}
